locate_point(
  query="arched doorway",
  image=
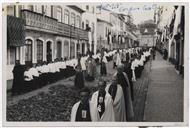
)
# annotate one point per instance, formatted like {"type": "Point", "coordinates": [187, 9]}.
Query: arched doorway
{"type": "Point", "coordinates": [49, 51]}
{"type": "Point", "coordinates": [28, 52]}
{"type": "Point", "coordinates": [59, 50]}
{"type": "Point", "coordinates": [78, 47]}
{"type": "Point", "coordinates": [72, 51]}
{"type": "Point", "coordinates": [83, 48]}
{"type": "Point", "coordinates": [66, 49]}
{"type": "Point", "coordinates": [39, 50]}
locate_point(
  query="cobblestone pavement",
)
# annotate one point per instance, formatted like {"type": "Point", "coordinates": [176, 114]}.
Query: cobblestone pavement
{"type": "Point", "coordinates": [54, 102]}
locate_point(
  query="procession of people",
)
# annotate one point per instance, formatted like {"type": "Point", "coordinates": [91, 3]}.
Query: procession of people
{"type": "Point", "coordinates": [111, 101]}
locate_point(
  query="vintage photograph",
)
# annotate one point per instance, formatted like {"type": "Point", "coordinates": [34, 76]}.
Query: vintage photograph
{"type": "Point", "coordinates": [94, 62]}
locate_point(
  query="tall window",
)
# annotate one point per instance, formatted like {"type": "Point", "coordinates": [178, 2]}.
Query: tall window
{"type": "Point", "coordinates": [19, 10]}
{"type": "Point", "coordinates": [66, 49]}
{"type": "Point", "coordinates": [87, 24]}
{"type": "Point", "coordinates": [43, 9]}
{"type": "Point", "coordinates": [30, 7]}
{"type": "Point", "coordinates": [11, 10]}
{"type": "Point", "coordinates": [78, 22]}
{"type": "Point", "coordinates": [82, 25]}
{"type": "Point", "coordinates": [59, 14]}
{"type": "Point", "coordinates": [52, 11]}
{"type": "Point", "coordinates": [87, 7]}
{"type": "Point", "coordinates": [92, 9]}
{"type": "Point", "coordinates": [28, 50]}
{"type": "Point", "coordinates": [72, 19]}
{"type": "Point", "coordinates": [39, 50]}
{"type": "Point", "coordinates": [72, 50]}
{"type": "Point", "coordinates": [59, 50]}
{"type": "Point", "coordinates": [66, 16]}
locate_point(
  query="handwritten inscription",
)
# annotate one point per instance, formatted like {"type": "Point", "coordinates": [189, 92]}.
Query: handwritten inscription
{"type": "Point", "coordinates": [124, 8]}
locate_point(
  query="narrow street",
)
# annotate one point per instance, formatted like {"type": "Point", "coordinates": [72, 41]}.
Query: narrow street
{"type": "Point", "coordinates": [158, 96]}
{"type": "Point", "coordinates": [63, 91]}
{"type": "Point", "coordinates": [165, 93]}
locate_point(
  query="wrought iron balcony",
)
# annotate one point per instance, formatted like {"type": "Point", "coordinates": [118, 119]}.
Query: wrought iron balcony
{"type": "Point", "coordinates": [45, 23]}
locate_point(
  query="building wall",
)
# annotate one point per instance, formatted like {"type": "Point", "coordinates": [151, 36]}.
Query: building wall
{"type": "Point", "coordinates": [147, 40]}
{"type": "Point", "coordinates": [104, 15]}
{"type": "Point", "coordinates": [19, 52]}
{"type": "Point", "coordinates": [90, 15]}
{"type": "Point", "coordinates": [102, 32]}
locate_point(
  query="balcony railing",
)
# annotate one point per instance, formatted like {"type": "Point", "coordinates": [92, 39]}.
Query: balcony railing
{"type": "Point", "coordinates": [42, 22]}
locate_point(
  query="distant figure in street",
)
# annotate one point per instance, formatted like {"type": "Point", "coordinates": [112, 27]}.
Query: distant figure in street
{"type": "Point", "coordinates": [123, 80]}
{"type": "Point", "coordinates": [18, 78]}
{"type": "Point", "coordinates": [79, 78]}
{"type": "Point", "coordinates": [127, 57]}
{"type": "Point", "coordinates": [114, 60]}
{"type": "Point", "coordinates": [118, 61]}
{"type": "Point", "coordinates": [153, 52]}
{"type": "Point", "coordinates": [165, 54]}
{"type": "Point", "coordinates": [81, 109]}
{"type": "Point", "coordinates": [91, 68]}
{"type": "Point", "coordinates": [103, 61]}
{"type": "Point", "coordinates": [123, 57]}
{"type": "Point", "coordinates": [115, 90]}
{"type": "Point", "coordinates": [102, 104]}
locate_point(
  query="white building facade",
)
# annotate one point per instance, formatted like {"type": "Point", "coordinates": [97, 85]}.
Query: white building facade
{"type": "Point", "coordinates": [51, 32]}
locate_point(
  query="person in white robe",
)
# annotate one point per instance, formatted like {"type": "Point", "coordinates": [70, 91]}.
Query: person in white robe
{"type": "Point", "coordinates": [81, 110]}
{"type": "Point", "coordinates": [133, 65]}
{"type": "Point", "coordinates": [83, 65]}
{"type": "Point", "coordinates": [115, 90]}
{"type": "Point", "coordinates": [114, 60]}
{"type": "Point", "coordinates": [35, 75]}
{"type": "Point", "coordinates": [103, 62]}
{"type": "Point", "coordinates": [91, 68]}
{"type": "Point", "coordinates": [101, 105]}
{"type": "Point", "coordinates": [123, 80]}
{"type": "Point", "coordinates": [51, 75]}
{"type": "Point", "coordinates": [118, 60]}
{"type": "Point", "coordinates": [28, 78]}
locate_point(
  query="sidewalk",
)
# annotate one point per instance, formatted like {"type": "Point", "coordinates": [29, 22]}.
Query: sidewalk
{"type": "Point", "coordinates": [164, 102]}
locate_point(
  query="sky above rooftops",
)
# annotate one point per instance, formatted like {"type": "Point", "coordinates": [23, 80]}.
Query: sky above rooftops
{"type": "Point", "coordinates": [139, 11]}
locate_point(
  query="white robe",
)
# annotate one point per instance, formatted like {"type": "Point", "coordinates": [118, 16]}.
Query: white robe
{"type": "Point", "coordinates": [118, 104]}
{"type": "Point", "coordinates": [63, 65]}
{"type": "Point", "coordinates": [28, 76]}
{"type": "Point", "coordinates": [82, 62]}
{"type": "Point", "coordinates": [133, 65]}
{"type": "Point", "coordinates": [34, 72]}
{"type": "Point", "coordinates": [118, 61]}
{"type": "Point", "coordinates": [130, 112]}
{"type": "Point", "coordinates": [108, 115]}
{"type": "Point", "coordinates": [105, 60]}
